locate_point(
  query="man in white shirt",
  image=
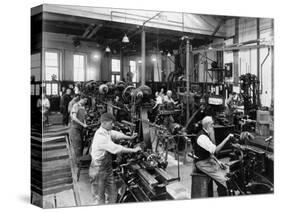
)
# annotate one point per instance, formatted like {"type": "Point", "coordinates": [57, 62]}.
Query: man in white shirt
{"type": "Point", "coordinates": [100, 172]}
{"type": "Point", "coordinates": [205, 149]}
{"type": "Point", "coordinates": [44, 105]}
{"type": "Point", "coordinates": [168, 98]}
{"type": "Point", "coordinates": [159, 100]}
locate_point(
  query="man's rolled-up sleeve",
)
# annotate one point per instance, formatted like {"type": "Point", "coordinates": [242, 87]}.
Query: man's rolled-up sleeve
{"type": "Point", "coordinates": [117, 135]}
{"type": "Point", "coordinates": [111, 147]}
{"type": "Point", "coordinates": [206, 144]}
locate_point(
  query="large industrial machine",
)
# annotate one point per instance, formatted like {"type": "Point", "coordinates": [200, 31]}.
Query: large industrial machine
{"type": "Point", "coordinates": [250, 168]}
{"type": "Point", "coordinates": [143, 176]}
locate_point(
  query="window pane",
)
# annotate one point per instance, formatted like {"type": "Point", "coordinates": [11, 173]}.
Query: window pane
{"type": "Point", "coordinates": [51, 65]}
{"type": "Point", "coordinates": [50, 72]}
{"type": "Point", "coordinates": [37, 90]}
{"type": "Point", "coordinates": [79, 67]}
{"type": "Point", "coordinates": [115, 65]}
{"type": "Point", "coordinates": [133, 68]}
{"type": "Point", "coordinates": [32, 88]}
{"type": "Point", "coordinates": [54, 89]}
{"type": "Point", "coordinates": [113, 78]}
{"type": "Point", "coordinates": [51, 59]}
{"type": "Point", "coordinates": [48, 89]}
{"type": "Point", "coordinates": [117, 78]}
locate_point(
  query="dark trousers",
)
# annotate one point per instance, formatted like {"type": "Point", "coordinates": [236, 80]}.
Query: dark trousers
{"type": "Point", "coordinates": [76, 138]}
{"type": "Point", "coordinates": [103, 184]}
{"type": "Point", "coordinates": [65, 117]}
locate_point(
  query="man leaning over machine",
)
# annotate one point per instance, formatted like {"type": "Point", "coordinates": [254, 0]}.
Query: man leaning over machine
{"type": "Point", "coordinates": [204, 149]}
{"type": "Point", "coordinates": [101, 172]}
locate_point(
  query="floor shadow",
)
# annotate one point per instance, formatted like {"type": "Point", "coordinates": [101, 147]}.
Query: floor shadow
{"type": "Point", "coordinates": [24, 198]}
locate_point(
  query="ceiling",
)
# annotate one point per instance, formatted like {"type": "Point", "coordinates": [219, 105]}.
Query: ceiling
{"type": "Point", "coordinates": [110, 33]}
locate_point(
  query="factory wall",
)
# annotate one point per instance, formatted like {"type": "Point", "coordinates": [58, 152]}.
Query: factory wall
{"type": "Point", "coordinates": [64, 46]}
{"type": "Point", "coordinates": [36, 66]}
{"type": "Point", "coordinates": [248, 59]}
{"type": "Point", "coordinates": [157, 66]}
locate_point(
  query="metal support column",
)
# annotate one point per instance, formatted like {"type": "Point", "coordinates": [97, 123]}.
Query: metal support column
{"type": "Point", "coordinates": [236, 54]}
{"type": "Point", "coordinates": [258, 60]}
{"type": "Point", "coordinates": [187, 69]}
{"type": "Point", "coordinates": [143, 57]}
{"type": "Point", "coordinates": [122, 77]}
{"type": "Point", "coordinates": [272, 67]}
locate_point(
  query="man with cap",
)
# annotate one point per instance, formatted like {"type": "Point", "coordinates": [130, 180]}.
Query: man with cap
{"type": "Point", "coordinates": [204, 149]}
{"type": "Point", "coordinates": [101, 172]}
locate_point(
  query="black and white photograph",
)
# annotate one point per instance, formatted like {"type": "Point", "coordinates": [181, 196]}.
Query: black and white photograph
{"type": "Point", "coordinates": [134, 105]}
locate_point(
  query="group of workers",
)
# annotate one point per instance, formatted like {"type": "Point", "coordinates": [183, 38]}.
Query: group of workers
{"type": "Point", "coordinates": [161, 98]}
{"type": "Point", "coordinates": [103, 145]}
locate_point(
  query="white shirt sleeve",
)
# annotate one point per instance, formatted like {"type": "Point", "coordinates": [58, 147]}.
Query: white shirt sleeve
{"type": "Point", "coordinates": [206, 144]}
{"type": "Point", "coordinates": [115, 135]}
{"type": "Point", "coordinates": [159, 100]}
{"type": "Point", "coordinates": [101, 143]}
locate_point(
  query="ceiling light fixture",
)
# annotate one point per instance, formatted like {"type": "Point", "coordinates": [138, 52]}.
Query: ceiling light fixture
{"type": "Point", "coordinates": [107, 49]}
{"type": "Point", "coordinates": [125, 39]}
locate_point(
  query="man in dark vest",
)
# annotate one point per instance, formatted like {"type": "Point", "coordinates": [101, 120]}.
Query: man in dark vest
{"type": "Point", "coordinates": [205, 150]}
{"type": "Point", "coordinates": [101, 172]}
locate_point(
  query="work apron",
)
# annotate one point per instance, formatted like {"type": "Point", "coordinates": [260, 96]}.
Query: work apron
{"type": "Point", "coordinates": [211, 168]}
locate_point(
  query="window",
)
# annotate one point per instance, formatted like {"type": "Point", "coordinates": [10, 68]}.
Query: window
{"type": "Point", "coordinates": [51, 66]}
{"type": "Point", "coordinates": [115, 78]}
{"type": "Point", "coordinates": [79, 67]}
{"type": "Point", "coordinates": [115, 68]}
{"type": "Point", "coordinates": [115, 65]}
{"type": "Point", "coordinates": [133, 69]}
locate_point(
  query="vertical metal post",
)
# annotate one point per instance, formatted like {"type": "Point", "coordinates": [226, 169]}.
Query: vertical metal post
{"type": "Point", "coordinates": [236, 54]}
{"type": "Point", "coordinates": [258, 60]}
{"type": "Point", "coordinates": [143, 57]}
{"type": "Point", "coordinates": [122, 75]}
{"type": "Point", "coordinates": [272, 67]}
{"type": "Point", "coordinates": [187, 68]}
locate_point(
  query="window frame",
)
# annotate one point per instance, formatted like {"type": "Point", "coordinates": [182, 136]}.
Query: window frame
{"type": "Point", "coordinates": [59, 63]}
{"type": "Point", "coordinates": [59, 76]}
{"type": "Point", "coordinates": [115, 73]}
{"type": "Point", "coordinates": [85, 64]}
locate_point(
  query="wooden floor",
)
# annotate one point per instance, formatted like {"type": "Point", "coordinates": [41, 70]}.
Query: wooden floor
{"type": "Point", "coordinates": [53, 185]}
{"type": "Point", "coordinates": [59, 156]}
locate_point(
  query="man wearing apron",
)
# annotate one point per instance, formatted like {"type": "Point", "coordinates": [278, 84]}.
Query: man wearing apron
{"type": "Point", "coordinates": [78, 114]}
{"type": "Point", "coordinates": [204, 149]}
{"type": "Point", "coordinates": [101, 172]}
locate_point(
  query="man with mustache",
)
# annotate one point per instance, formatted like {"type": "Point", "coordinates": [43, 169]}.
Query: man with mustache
{"type": "Point", "coordinates": [205, 150]}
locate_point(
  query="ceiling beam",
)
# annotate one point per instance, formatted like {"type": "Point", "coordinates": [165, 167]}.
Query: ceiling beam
{"type": "Point", "coordinates": [221, 22]}
{"type": "Point", "coordinates": [87, 31]}
{"type": "Point", "coordinates": [94, 31]}
{"type": "Point", "coordinates": [233, 48]}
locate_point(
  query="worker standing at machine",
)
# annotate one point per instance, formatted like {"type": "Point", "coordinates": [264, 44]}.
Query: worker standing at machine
{"type": "Point", "coordinates": [66, 98]}
{"type": "Point", "coordinates": [205, 149]}
{"type": "Point", "coordinates": [231, 104]}
{"type": "Point", "coordinates": [78, 114]}
{"type": "Point", "coordinates": [120, 111]}
{"type": "Point", "coordinates": [101, 171]}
